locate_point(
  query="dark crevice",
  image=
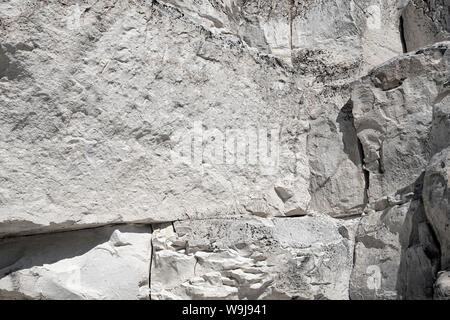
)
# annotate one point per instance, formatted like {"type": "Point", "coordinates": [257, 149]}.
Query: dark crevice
{"type": "Point", "coordinates": [352, 145]}
{"type": "Point", "coordinates": [150, 267]}
{"type": "Point", "coordinates": [291, 17]}
{"type": "Point", "coordinates": [402, 35]}
{"type": "Point", "coordinates": [381, 162]}
{"type": "Point", "coordinates": [365, 172]}
{"type": "Point", "coordinates": [361, 156]}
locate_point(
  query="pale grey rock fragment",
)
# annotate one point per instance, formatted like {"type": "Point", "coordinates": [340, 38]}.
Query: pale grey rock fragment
{"type": "Point", "coordinates": [101, 263]}
{"type": "Point", "coordinates": [242, 258]}
{"type": "Point", "coordinates": [425, 22]}
{"type": "Point", "coordinates": [377, 255]}
{"type": "Point", "coordinates": [420, 256]}
{"type": "Point", "coordinates": [338, 185]}
{"type": "Point", "coordinates": [436, 195]}
{"type": "Point", "coordinates": [396, 255]}
{"type": "Point", "coordinates": [442, 286]}
{"type": "Point", "coordinates": [440, 130]}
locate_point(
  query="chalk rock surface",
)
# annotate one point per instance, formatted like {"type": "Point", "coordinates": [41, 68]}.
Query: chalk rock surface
{"type": "Point", "coordinates": [103, 133]}
{"type": "Point", "coordinates": [264, 149]}
{"type": "Point", "coordinates": [395, 108]}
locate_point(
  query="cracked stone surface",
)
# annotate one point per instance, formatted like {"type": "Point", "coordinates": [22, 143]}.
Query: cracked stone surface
{"type": "Point", "coordinates": [265, 149]}
{"type": "Point", "coordinates": [253, 258]}
{"type": "Point", "coordinates": [393, 110]}
{"type": "Point", "coordinates": [395, 107]}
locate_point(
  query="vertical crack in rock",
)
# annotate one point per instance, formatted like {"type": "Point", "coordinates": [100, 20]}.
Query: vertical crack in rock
{"type": "Point", "coordinates": [291, 17]}
{"type": "Point", "coordinates": [150, 267]}
{"type": "Point", "coordinates": [365, 172]}
{"type": "Point", "coordinates": [381, 169]}
{"type": "Point", "coordinates": [402, 34]}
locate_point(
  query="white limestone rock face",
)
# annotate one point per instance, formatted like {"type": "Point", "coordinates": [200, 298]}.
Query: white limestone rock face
{"type": "Point", "coordinates": [102, 263]}
{"type": "Point", "coordinates": [327, 34]}
{"type": "Point", "coordinates": [395, 108]}
{"type": "Point", "coordinates": [393, 111]}
{"type": "Point", "coordinates": [338, 184]}
{"type": "Point", "coordinates": [232, 127]}
{"type": "Point", "coordinates": [263, 25]}
{"type": "Point", "coordinates": [345, 34]}
{"type": "Point", "coordinates": [242, 258]}
{"type": "Point", "coordinates": [103, 133]}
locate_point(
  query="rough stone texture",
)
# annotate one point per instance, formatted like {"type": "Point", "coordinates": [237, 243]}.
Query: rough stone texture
{"type": "Point", "coordinates": [395, 107]}
{"type": "Point", "coordinates": [425, 22]}
{"type": "Point", "coordinates": [101, 263]}
{"type": "Point", "coordinates": [377, 255]}
{"type": "Point", "coordinates": [442, 287]}
{"type": "Point", "coordinates": [99, 114]}
{"type": "Point", "coordinates": [393, 111]}
{"type": "Point", "coordinates": [436, 195]}
{"type": "Point", "coordinates": [396, 255]}
{"type": "Point", "coordinates": [242, 131]}
{"type": "Point", "coordinates": [315, 35]}
{"type": "Point", "coordinates": [95, 137]}
{"type": "Point", "coordinates": [440, 130]}
{"type": "Point", "coordinates": [242, 258]}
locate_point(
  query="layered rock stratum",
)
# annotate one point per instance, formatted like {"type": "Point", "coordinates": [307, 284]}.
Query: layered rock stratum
{"type": "Point", "coordinates": [224, 149]}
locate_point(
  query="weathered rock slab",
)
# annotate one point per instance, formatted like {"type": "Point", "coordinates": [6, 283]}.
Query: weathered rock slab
{"type": "Point", "coordinates": [101, 264]}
